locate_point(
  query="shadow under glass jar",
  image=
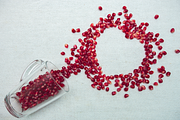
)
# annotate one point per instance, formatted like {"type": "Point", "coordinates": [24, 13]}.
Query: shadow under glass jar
{"type": "Point", "coordinates": [41, 83]}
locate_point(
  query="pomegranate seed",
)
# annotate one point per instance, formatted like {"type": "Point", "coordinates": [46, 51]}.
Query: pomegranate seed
{"type": "Point", "coordinates": [119, 13]}
{"type": "Point", "coordinates": [147, 81]}
{"type": "Point", "coordinates": [75, 46]}
{"type": "Point", "coordinates": [160, 80]}
{"type": "Point", "coordinates": [78, 30]}
{"type": "Point", "coordinates": [124, 7]}
{"type": "Point", "coordinates": [66, 45]}
{"type": "Point", "coordinates": [114, 93]}
{"type": "Point", "coordinates": [157, 35]}
{"type": "Point", "coordinates": [18, 94]}
{"type": "Point", "coordinates": [70, 58]}
{"type": "Point", "coordinates": [156, 16]}
{"type": "Point", "coordinates": [161, 75]}
{"type": "Point", "coordinates": [177, 51]}
{"type": "Point", "coordinates": [146, 24]}
{"type": "Point", "coordinates": [98, 87]}
{"type": "Point", "coordinates": [160, 47]}
{"type": "Point", "coordinates": [161, 40]}
{"type": "Point", "coordinates": [126, 95]}
{"type": "Point", "coordinates": [168, 74]}
{"type": "Point", "coordinates": [92, 85]}
{"type": "Point", "coordinates": [154, 61]}
{"type": "Point", "coordinates": [143, 87]}
{"type": "Point", "coordinates": [151, 72]}
{"type": "Point", "coordinates": [132, 86]}
{"type": "Point", "coordinates": [118, 89]}
{"type": "Point", "coordinates": [155, 84]}
{"type": "Point", "coordinates": [107, 89]}
{"type": "Point", "coordinates": [159, 56]}
{"type": "Point", "coordinates": [100, 8]}
{"type": "Point", "coordinates": [113, 14]}
{"type": "Point", "coordinates": [62, 53]}
{"type": "Point", "coordinates": [157, 43]}
{"type": "Point", "coordinates": [150, 87]}
{"type": "Point", "coordinates": [126, 89]}
{"type": "Point", "coordinates": [117, 81]}
{"type": "Point", "coordinates": [140, 88]}
{"type": "Point", "coordinates": [73, 30]}
{"type": "Point", "coordinates": [164, 52]}
{"type": "Point", "coordinates": [172, 30]}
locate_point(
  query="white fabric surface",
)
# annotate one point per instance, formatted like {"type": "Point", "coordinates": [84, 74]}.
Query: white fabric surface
{"type": "Point", "coordinates": [38, 29]}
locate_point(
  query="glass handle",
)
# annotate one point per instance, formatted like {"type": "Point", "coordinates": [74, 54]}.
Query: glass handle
{"type": "Point", "coordinates": [30, 68]}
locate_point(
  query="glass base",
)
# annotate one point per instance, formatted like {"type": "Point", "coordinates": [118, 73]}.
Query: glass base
{"type": "Point", "coordinates": [10, 109]}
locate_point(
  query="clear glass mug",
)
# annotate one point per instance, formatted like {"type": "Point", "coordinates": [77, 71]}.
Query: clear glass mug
{"type": "Point", "coordinates": [41, 83]}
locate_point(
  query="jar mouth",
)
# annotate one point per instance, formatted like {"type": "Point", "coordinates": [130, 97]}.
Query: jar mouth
{"type": "Point", "coordinates": [49, 65]}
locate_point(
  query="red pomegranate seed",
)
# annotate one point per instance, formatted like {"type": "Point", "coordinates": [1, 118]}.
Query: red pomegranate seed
{"type": "Point", "coordinates": [118, 89]}
{"type": "Point", "coordinates": [140, 88]}
{"type": "Point", "coordinates": [126, 95]}
{"type": "Point", "coordinates": [151, 72]}
{"type": "Point", "coordinates": [161, 40]}
{"type": "Point", "coordinates": [157, 35]}
{"type": "Point", "coordinates": [126, 89]}
{"type": "Point", "coordinates": [92, 85]}
{"type": "Point", "coordinates": [164, 52]}
{"type": "Point", "coordinates": [75, 46]}
{"type": "Point", "coordinates": [124, 7]}
{"type": "Point", "coordinates": [156, 16]}
{"type": "Point", "coordinates": [113, 14]}
{"type": "Point", "coordinates": [161, 76]}
{"type": "Point", "coordinates": [18, 94]}
{"type": "Point", "coordinates": [143, 87]}
{"type": "Point", "coordinates": [78, 30]}
{"type": "Point", "coordinates": [117, 81]}
{"type": "Point", "coordinates": [119, 13]}
{"type": "Point", "coordinates": [98, 87]}
{"type": "Point", "coordinates": [146, 24]}
{"type": "Point", "coordinates": [160, 80]}
{"type": "Point", "coordinates": [114, 93]}
{"type": "Point", "coordinates": [70, 58]}
{"type": "Point", "coordinates": [66, 45]}
{"type": "Point", "coordinates": [160, 47]}
{"type": "Point", "coordinates": [157, 43]}
{"type": "Point", "coordinates": [168, 74]}
{"type": "Point", "coordinates": [147, 81]}
{"type": "Point", "coordinates": [107, 89]}
{"type": "Point", "coordinates": [172, 30]}
{"type": "Point", "coordinates": [150, 87]}
{"type": "Point", "coordinates": [73, 30]}
{"type": "Point", "coordinates": [154, 61]}
{"type": "Point", "coordinates": [100, 8]}
{"type": "Point", "coordinates": [177, 51]}
{"type": "Point", "coordinates": [159, 56]}
{"type": "Point", "coordinates": [155, 84]}
{"type": "Point", "coordinates": [132, 86]}
{"type": "Point", "coordinates": [62, 53]}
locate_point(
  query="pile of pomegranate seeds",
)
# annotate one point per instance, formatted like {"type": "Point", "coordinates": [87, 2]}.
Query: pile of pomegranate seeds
{"type": "Point", "coordinates": [86, 58]}
{"type": "Point", "coordinates": [40, 89]}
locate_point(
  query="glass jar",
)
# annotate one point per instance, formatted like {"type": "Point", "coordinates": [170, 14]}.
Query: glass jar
{"type": "Point", "coordinates": [41, 83]}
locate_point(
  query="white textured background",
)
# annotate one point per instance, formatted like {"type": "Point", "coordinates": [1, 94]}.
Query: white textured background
{"type": "Point", "coordinates": [38, 29]}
